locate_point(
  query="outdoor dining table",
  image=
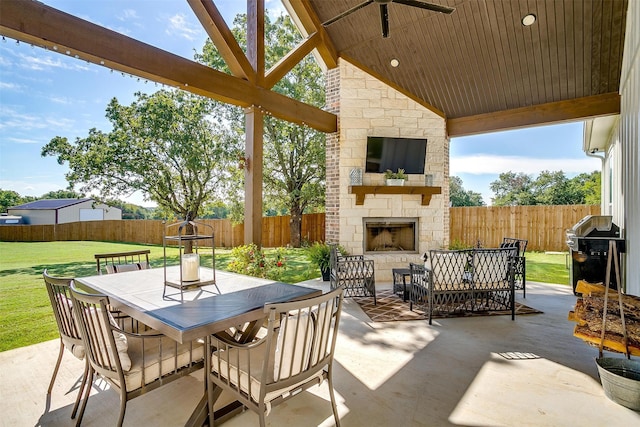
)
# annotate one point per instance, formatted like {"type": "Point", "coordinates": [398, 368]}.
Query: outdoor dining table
{"type": "Point", "coordinates": [234, 300]}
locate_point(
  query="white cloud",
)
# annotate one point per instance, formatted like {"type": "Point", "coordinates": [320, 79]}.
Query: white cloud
{"type": "Point", "coordinates": [42, 63]}
{"type": "Point", "coordinates": [492, 164]}
{"type": "Point", "coordinates": [10, 119]}
{"type": "Point", "coordinates": [23, 140]}
{"type": "Point", "coordinates": [275, 8]}
{"type": "Point", "coordinates": [10, 86]}
{"type": "Point", "coordinates": [38, 187]}
{"type": "Point", "coordinates": [178, 25]}
{"type": "Point", "coordinates": [128, 14]}
{"type": "Point", "coordinates": [61, 100]}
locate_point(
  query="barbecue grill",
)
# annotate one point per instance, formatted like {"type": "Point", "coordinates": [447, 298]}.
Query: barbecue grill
{"type": "Point", "coordinates": [588, 243]}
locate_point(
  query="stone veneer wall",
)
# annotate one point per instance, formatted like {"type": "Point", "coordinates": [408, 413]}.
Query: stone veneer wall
{"type": "Point", "coordinates": [368, 107]}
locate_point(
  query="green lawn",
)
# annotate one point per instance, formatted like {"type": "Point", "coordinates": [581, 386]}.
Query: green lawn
{"type": "Point", "coordinates": [547, 268]}
{"type": "Point", "coordinates": [25, 312]}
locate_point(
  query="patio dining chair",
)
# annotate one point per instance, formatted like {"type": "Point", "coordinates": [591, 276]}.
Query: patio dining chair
{"type": "Point", "coordinates": [59, 292]}
{"type": "Point", "coordinates": [295, 354]}
{"type": "Point", "coordinates": [119, 262]}
{"type": "Point", "coordinates": [133, 364]}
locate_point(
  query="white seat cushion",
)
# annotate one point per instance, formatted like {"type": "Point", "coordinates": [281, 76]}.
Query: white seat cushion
{"type": "Point", "coordinates": [257, 364]}
{"type": "Point", "coordinates": [152, 369]}
{"type": "Point", "coordinates": [121, 268]}
{"type": "Point", "coordinates": [290, 361]}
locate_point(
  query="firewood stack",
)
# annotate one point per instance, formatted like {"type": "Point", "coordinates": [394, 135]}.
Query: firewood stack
{"type": "Point", "coordinates": [588, 314]}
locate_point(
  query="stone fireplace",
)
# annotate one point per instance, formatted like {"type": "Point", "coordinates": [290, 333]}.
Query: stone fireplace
{"type": "Point", "coordinates": [390, 235]}
{"type": "Point", "coordinates": [391, 225]}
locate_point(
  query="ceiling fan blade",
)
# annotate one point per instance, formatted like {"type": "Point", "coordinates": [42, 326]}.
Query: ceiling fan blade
{"type": "Point", "coordinates": [428, 6]}
{"type": "Point", "coordinates": [347, 12]}
{"type": "Point", "coordinates": [384, 18]}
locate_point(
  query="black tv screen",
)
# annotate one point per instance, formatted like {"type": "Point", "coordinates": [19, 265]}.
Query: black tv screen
{"type": "Point", "coordinates": [396, 153]}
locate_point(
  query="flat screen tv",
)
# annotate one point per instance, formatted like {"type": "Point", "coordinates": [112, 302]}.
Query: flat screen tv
{"type": "Point", "coordinates": [396, 153]}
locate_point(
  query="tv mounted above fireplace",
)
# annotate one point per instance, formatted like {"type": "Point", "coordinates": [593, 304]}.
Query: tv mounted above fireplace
{"type": "Point", "coordinates": [396, 153]}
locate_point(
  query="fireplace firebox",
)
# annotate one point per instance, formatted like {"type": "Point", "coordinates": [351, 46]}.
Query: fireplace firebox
{"type": "Point", "coordinates": [390, 235]}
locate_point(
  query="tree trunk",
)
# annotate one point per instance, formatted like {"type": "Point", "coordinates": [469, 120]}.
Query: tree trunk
{"type": "Point", "coordinates": [295, 226]}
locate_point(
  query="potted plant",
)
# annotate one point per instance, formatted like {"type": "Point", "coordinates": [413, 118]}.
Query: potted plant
{"type": "Point", "coordinates": [395, 178]}
{"type": "Point", "coordinates": [318, 253]}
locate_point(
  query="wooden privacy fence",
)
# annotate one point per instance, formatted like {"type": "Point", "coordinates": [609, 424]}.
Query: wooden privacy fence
{"type": "Point", "coordinates": [543, 226]}
{"type": "Point", "coordinates": [275, 231]}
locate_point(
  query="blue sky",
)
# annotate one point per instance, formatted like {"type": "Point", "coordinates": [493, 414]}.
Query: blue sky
{"type": "Point", "coordinates": [44, 94]}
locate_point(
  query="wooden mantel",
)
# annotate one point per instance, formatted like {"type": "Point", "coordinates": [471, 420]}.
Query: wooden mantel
{"type": "Point", "coordinates": [362, 190]}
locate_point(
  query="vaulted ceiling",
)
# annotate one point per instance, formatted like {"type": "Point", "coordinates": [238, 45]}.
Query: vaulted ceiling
{"type": "Point", "coordinates": [480, 67]}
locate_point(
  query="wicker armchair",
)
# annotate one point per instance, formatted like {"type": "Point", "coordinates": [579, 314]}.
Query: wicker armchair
{"type": "Point", "coordinates": [353, 273]}
{"type": "Point", "coordinates": [519, 261]}
{"type": "Point", "coordinates": [455, 282]}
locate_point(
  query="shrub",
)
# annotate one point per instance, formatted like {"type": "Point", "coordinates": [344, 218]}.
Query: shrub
{"type": "Point", "coordinates": [318, 253]}
{"type": "Point", "coordinates": [252, 261]}
{"type": "Point", "coordinates": [457, 245]}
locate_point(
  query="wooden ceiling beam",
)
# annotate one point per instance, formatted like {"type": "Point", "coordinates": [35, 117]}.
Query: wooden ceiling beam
{"type": "Point", "coordinates": [255, 38]}
{"type": "Point", "coordinates": [290, 60]}
{"type": "Point", "coordinates": [307, 17]}
{"type": "Point", "coordinates": [222, 37]}
{"type": "Point", "coordinates": [41, 25]}
{"type": "Point", "coordinates": [552, 112]}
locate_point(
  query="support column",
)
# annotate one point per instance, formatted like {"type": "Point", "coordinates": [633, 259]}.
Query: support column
{"type": "Point", "coordinates": [254, 125]}
{"type": "Point", "coordinates": [254, 128]}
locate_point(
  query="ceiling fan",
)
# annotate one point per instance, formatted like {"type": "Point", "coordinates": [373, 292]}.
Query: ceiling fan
{"type": "Point", "coordinates": [384, 12]}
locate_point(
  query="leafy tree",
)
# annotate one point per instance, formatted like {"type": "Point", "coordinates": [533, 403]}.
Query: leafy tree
{"type": "Point", "coordinates": [294, 156]}
{"type": "Point", "coordinates": [549, 188]}
{"type": "Point", "coordinates": [513, 189]}
{"type": "Point", "coordinates": [9, 198]}
{"type": "Point", "coordinates": [458, 196]}
{"type": "Point", "coordinates": [62, 194]}
{"type": "Point", "coordinates": [131, 211]}
{"type": "Point", "coordinates": [553, 188]}
{"type": "Point", "coordinates": [588, 185]}
{"type": "Point", "coordinates": [166, 145]}
{"type": "Point", "coordinates": [215, 210]}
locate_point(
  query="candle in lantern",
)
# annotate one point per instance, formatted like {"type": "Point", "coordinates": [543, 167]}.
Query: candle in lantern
{"type": "Point", "coordinates": [190, 267]}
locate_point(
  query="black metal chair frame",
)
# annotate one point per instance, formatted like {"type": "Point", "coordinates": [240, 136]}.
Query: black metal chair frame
{"type": "Point", "coordinates": [353, 273]}
{"type": "Point", "coordinates": [520, 264]}
{"type": "Point", "coordinates": [455, 282]}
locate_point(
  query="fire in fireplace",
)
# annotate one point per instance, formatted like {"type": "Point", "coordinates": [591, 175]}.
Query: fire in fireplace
{"type": "Point", "coordinates": [390, 234]}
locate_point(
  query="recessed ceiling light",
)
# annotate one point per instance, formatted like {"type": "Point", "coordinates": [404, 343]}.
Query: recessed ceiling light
{"type": "Point", "coordinates": [528, 19]}
{"type": "Point", "coordinates": [395, 62]}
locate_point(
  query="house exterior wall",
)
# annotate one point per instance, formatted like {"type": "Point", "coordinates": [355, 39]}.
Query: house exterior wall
{"type": "Point", "coordinates": [621, 165]}
{"type": "Point", "coordinates": [629, 136]}
{"type": "Point", "coordinates": [35, 217]}
{"type": "Point", "coordinates": [369, 107]}
{"type": "Point", "coordinates": [64, 215]}
{"type": "Point", "coordinates": [72, 213]}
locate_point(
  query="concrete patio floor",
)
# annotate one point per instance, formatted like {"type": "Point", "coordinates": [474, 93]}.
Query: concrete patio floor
{"type": "Point", "coordinates": [480, 371]}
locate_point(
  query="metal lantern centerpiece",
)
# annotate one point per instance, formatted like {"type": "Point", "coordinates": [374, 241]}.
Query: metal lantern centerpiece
{"type": "Point", "coordinates": [195, 236]}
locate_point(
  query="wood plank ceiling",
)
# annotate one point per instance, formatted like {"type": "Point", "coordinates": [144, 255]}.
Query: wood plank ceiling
{"type": "Point", "coordinates": [480, 67]}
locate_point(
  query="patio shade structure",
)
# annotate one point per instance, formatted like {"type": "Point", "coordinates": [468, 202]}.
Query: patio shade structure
{"type": "Point", "coordinates": [481, 68]}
